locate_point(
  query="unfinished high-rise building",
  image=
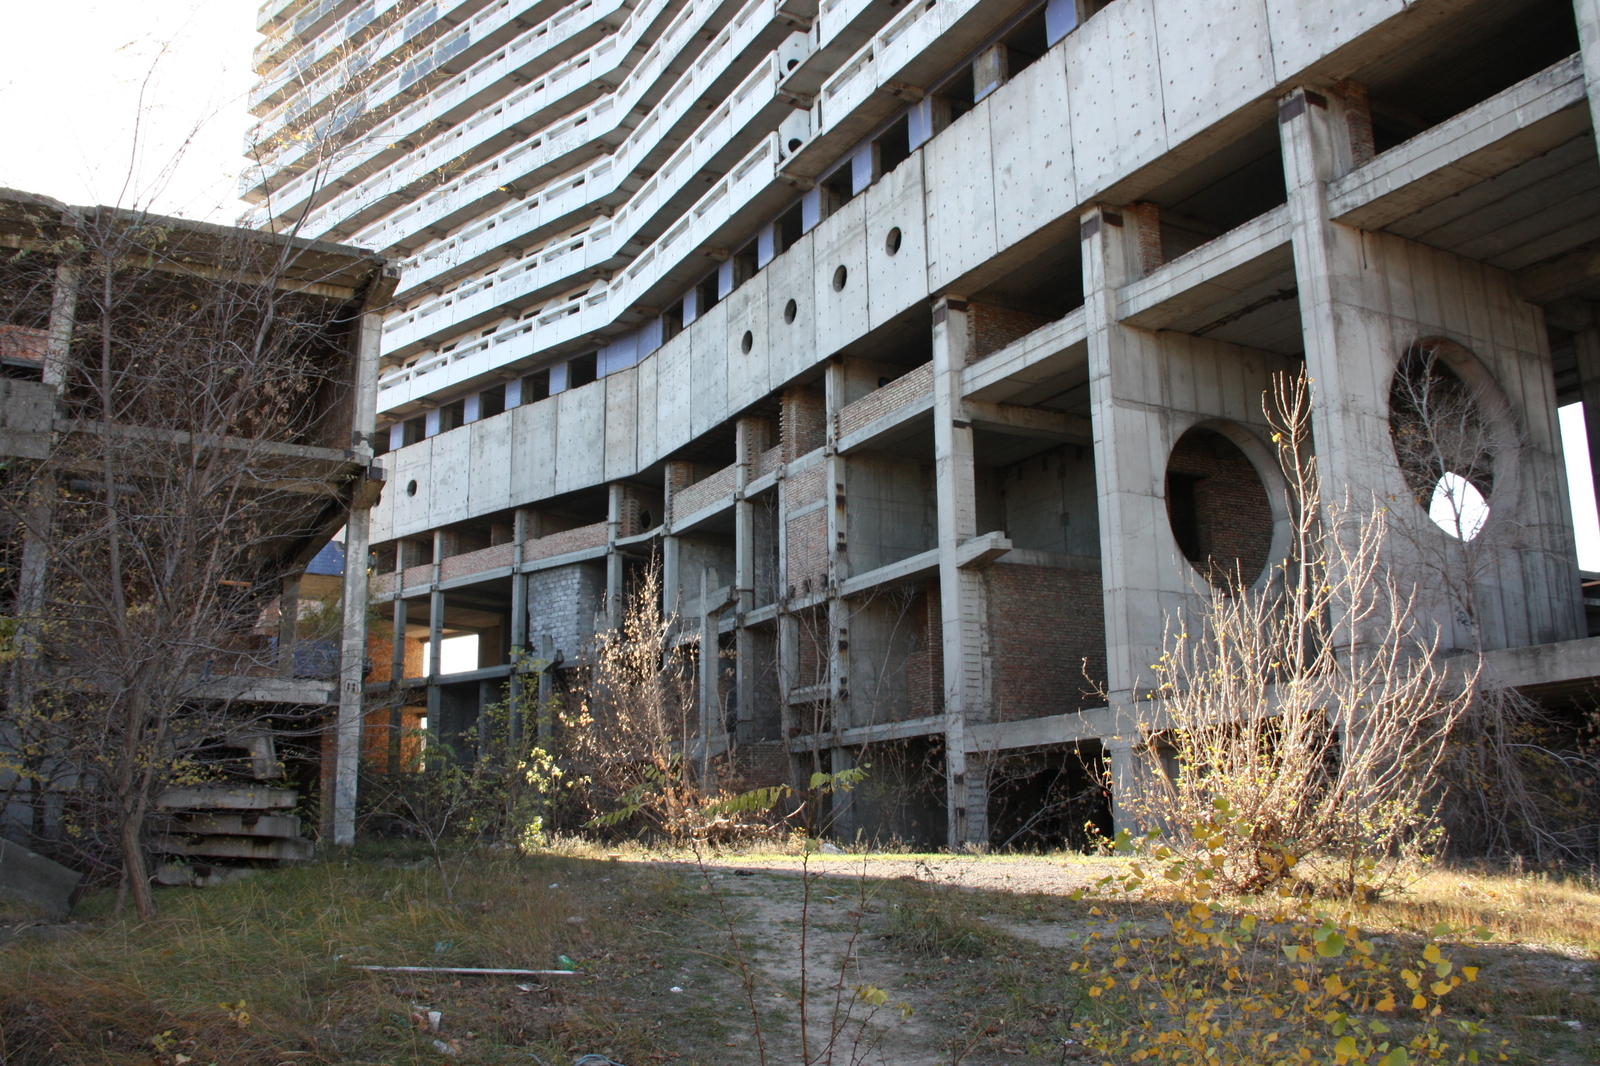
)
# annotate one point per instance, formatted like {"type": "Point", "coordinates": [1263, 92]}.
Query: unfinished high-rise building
{"type": "Point", "coordinates": [926, 343]}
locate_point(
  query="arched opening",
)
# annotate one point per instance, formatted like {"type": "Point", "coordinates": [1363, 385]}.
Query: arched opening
{"type": "Point", "coordinates": [1443, 440]}
{"type": "Point", "coordinates": [1219, 510]}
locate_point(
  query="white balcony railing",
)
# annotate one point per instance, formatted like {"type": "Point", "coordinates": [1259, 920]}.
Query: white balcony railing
{"type": "Point", "coordinates": [567, 319]}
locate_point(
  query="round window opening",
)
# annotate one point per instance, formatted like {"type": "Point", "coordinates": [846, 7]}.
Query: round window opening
{"type": "Point", "coordinates": [1442, 440]}
{"type": "Point", "coordinates": [1218, 508]}
{"type": "Point", "coordinates": [747, 342]}
{"type": "Point", "coordinates": [411, 488]}
{"type": "Point", "coordinates": [646, 520]}
{"type": "Point", "coordinates": [892, 244]}
{"type": "Point", "coordinates": [794, 144]}
{"type": "Point", "coordinates": [790, 309]}
{"type": "Point", "coordinates": [840, 276]}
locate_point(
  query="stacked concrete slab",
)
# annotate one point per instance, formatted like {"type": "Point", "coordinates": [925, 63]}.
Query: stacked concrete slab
{"type": "Point", "coordinates": [926, 347]}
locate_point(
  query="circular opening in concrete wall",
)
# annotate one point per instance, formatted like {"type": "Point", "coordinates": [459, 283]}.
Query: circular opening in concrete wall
{"type": "Point", "coordinates": [790, 309]}
{"type": "Point", "coordinates": [892, 243]}
{"type": "Point", "coordinates": [747, 342]}
{"type": "Point", "coordinates": [794, 144]}
{"type": "Point", "coordinates": [646, 520]}
{"type": "Point", "coordinates": [1218, 508]}
{"type": "Point", "coordinates": [411, 488]}
{"type": "Point", "coordinates": [840, 276]}
{"type": "Point", "coordinates": [1443, 439]}
{"type": "Point", "coordinates": [791, 64]}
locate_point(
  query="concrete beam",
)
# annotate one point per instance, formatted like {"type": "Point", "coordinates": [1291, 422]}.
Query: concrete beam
{"type": "Point", "coordinates": [1526, 120]}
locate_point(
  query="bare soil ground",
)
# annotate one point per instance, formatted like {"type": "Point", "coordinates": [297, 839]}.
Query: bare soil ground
{"type": "Point", "coordinates": [908, 959]}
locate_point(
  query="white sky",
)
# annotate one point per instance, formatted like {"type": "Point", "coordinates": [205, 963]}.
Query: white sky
{"type": "Point", "coordinates": [71, 117]}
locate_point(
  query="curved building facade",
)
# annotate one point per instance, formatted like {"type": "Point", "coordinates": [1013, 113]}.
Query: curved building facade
{"type": "Point", "coordinates": [925, 343]}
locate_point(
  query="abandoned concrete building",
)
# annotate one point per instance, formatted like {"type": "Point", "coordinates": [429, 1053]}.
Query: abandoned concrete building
{"type": "Point", "coordinates": [88, 297]}
{"type": "Point", "coordinates": [925, 343]}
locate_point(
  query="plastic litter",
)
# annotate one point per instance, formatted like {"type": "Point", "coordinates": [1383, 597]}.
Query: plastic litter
{"type": "Point", "coordinates": [477, 971]}
{"type": "Point", "coordinates": [565, 963]}
{"type": "Point", "coordinates": [595, 1060]}
{"type": "Point", "coordinates": [446, 1047]}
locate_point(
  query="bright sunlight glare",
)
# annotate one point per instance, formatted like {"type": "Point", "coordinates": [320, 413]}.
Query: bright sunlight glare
{"type": "Point", "coordinates": [457, 655]}
{"type": "Point", "coordinates": [1580, 486]}
{"type": "Point", "coordinates": [133, 103]}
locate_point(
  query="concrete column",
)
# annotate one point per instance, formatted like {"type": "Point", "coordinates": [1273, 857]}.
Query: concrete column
{"type": "Point", "coordinates": [1130, 455]}
{"type": "Point", "coordinates": [963, 604]}
{"type": "Point", "coordinates": [1587, 15]}
{"type": "Point", "coordinates": [485, 699]}
{"type": "Point", "coordinates": [1587, 345]}
{"type": "Point", "coordinates": [990, 70]}
{"type": "Point", "coordinates": [289, 621]}
{"type": "Point", "coordinates": [549, 656]}
{"type": "Point", "coordinates": [435, 631]}
{"type": "Point", "coordinates": [519, 626]}
{"type": "Point", "coordinates": [838, 552]}
{"type": "Point", "coordinates": [1350, 403]}
{"type": "Point", "coordinates": [1122, 764]}
{"type": "Point", "coordinates": [397, 665]}
{"type": "Point", "coordinates": [751, 440]}
{"type": "Point", "coordinates": [678, 476]}
{"type": "Point", "coordinates": [710, 704]}
{"type": "Point", "coordinates": [844, 822]}
{"type": "Point", "coordinates": [353, 649]}
{"type": "Point", "coordinates": [614, 590]}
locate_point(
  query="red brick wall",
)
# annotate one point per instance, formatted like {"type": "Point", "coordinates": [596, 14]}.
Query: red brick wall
{"type": "Point", "coordinates": [925, 664]}
{"type": "Point", "coordinates": [1044, 622]}
{"type": "Point", "coordinates": [754, 765]}
{"type": "Point", "coordinates": [805, 487]}
{"type": "Point", "coordinates": [812, 668]}
{"type": "Point", "coordinates": [1231, 506]}
{"type": "Point", "coordinates": [803, 421]}
{"type": "Point", "coordinates": [686, 501]}
{"type": "Point", "coordinates": [476, 562]}
{"type": "Point", "coordinates": [807, 572]}
{"type": "Point", "coordinates": [567, 540]}
{"type": "Point", "coordinates": [995, 327]}
{"type": "Point", "coordinates": [881, 401]}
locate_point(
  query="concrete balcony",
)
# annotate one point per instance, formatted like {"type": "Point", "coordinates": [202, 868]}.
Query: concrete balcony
{"type": "Point", "coordinates": [500, 130]}
{"type": "Point", "coordinates": [546, 269]}
{"type": "Point", "coordinates": [529, 55]}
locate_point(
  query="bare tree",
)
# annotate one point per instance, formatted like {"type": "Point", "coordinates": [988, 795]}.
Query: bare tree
{"type": "Point", "coordinates": [1316, 707]}
{"type": "Point", "coordinates": [199, 447]}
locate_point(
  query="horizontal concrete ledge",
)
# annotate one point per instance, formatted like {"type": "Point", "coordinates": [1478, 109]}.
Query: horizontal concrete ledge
{"type": "Point", "coordinates": [870, 734]}
{"type": "Point", "coordinates": [1524, 121]}
{"type": "Point", "coordinates": [487, 673]}
{"type": "Point", "coordinates": [978, 552]}
{"type": "Point", "coordinates": [703, 515]}
{"type": "Point", "coordinates": [1040, 422]}
{"type": "Point", "coordinates": [1071, 728]}
{"type": "Point", "coordinates": [1017, 365]}
{"type": "Point", "coordinates": [1207, 278]}
{"type": "Point", "coordinates": [896, 422]}
{"type": "Point", "coordinates": [921, 564]}
{"type": "Point", "coordinates": [766, 614]}
{"type": "Point", "coordinates": [227, 798]}
{"type": "Point", "coordinates": [1569, 662]}
{"type": "Point", "coordinates": [268, 690]}
{"type": "Point", "coordinates": [417, 592]}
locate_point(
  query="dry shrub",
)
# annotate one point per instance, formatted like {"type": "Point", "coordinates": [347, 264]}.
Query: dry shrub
{"type": "Point", "coordinates": [1173, 974]}
{"type": "Point", "coordinates": [1314, 707]}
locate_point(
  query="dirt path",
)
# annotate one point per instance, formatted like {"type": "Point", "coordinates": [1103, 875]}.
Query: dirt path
{"type": "Point", "coordinates": [1014, 874]}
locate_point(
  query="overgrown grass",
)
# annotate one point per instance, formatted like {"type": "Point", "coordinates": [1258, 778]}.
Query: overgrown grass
{"type": "Point", "coordinates": [283, 944]}
{"type": "Point", "coordinates": [927, 923]}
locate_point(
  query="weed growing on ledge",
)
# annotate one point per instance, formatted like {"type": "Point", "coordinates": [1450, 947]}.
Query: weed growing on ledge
{"type": "Point", "coordinates": [1172, 974]}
